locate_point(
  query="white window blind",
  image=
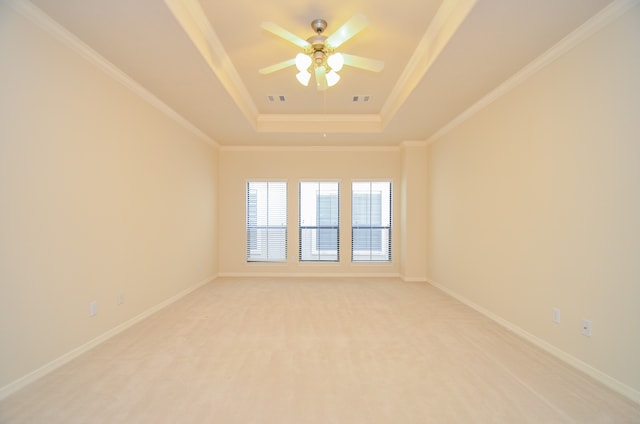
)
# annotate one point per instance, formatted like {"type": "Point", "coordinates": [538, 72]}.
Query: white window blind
{"type": "Point", "coordinates": [319, 221]}
{"type": "Point", "coordinates": [371, 221]}
{"type": "Point", "coordinates": [266, 221]}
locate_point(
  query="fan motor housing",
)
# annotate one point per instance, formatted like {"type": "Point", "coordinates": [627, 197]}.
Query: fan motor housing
{"type": "Point", "coordinates": [319, 57]}
{"type": "Point", "coordinates": [317, 42]}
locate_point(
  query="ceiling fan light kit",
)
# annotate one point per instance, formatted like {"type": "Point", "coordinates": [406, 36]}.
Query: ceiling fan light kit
{"type": "Point", "coordinates": [303, 77]}
{"type": "Point", "coordinates": [303, 62]}
{"type": "Point", "coordinates": [336, 61]}
{"type": "Point", "coordinates": [319, 52]}
{"type": "Point", "coordinates": [332, 78]}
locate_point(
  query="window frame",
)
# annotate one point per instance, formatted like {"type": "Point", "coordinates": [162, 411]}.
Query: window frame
{"type": "Point", "coordinates": [386, 240]}
{"type": "Point", "coordinates": [268, 227]}
{"type": "Point", "coordinates": [332, 255]}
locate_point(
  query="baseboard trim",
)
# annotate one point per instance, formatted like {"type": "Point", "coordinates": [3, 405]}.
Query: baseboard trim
{"type": "Point", "coordinates": [607, 380]}
{"type": "Point", "coordinates": [24, 381]}
{"type": "Point", "coordinates": [414, 279]}
{"type": "Point", "coordinates": [309, 275]}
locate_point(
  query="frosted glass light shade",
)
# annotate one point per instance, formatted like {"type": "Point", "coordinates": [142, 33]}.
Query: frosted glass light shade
{"type": "Point", "coordinates": [332, 78]}
{"type": "Point", "coordinates": [303, 77]}
{"type": "Point", "coordinates": [335, 61]}
{"type": "Point", "coordinates": [302, 62]}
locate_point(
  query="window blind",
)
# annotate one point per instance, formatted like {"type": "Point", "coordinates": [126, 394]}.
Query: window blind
{"type": "Point", "coordinates": [371, 221]}
{"type": "Point", "coordinates": [266, 221]}
{"type": "Point", "coordinates": [319, 221]}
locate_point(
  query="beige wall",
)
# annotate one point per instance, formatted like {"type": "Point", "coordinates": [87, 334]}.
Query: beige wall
{"type": "Point", "coordinates": [100, 193]}
{"type": "Point", "coordinates": [293, 165]}
{"type": "Point", "coordinates": [535, 204]}
{"type": "Point", "coordinates": [413, 210]}
{"type": "Point", "coordinates": [531, 204]}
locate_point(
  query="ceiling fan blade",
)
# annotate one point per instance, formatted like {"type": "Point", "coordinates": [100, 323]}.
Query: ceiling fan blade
{"type": "Point", "coordinates": [350, 28]}
{"type": "Point", "coordinates": [363, 62]}
{"type": "Point", "coordinates": [321, 78]}
{"type": "Point", "coordinates": [276, 67]}
{"type": "Point", "coordinates": [283, 33]}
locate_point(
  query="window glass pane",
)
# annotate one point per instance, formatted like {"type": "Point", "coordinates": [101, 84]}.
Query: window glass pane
{"type": "Point", "coordinates": [266, 221]}
{"type": "Point", "coordinates": [319, 221]}
{"type": "Point", "coordinates": [371, 221]}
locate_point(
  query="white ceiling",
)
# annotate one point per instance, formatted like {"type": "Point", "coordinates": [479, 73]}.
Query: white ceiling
{"type": "Point", "coordinates": [202, 58]}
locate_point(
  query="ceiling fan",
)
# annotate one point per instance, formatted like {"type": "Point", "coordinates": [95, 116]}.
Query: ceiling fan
{"type": "Point", "coordinates": [319, 52]}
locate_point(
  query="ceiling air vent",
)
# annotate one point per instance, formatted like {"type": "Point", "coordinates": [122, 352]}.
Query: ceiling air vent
{"type": "Point", "coordinates": [362, 98]}
{"type": "Point", "coordinates": [276, 99]}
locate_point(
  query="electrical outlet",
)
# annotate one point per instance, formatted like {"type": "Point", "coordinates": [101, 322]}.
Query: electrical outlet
{"type": "Point", "coordinates": [556, 315]}
{"type": "Point", "coordinates": [120, 298]}
{"type": "Point", "coordinates": [586, 327]}
{"type": "Point", "coordinates": [93, 308]}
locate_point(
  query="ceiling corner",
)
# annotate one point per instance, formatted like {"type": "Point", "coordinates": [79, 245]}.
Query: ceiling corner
{"type": "Point", "coordinates": [442, 28]}
{"type": "Point", "coordinates": [319, 123]}
{"type": "Point", "coordinates": [194, 22]}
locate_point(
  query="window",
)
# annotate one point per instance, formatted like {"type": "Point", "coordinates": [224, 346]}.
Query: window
{"type": "Point", "coordinates": [371, 221]}
{"type": "Point", "coordinates": [319, 221]}
{"type": "Point", "coordinates": [266, 221]}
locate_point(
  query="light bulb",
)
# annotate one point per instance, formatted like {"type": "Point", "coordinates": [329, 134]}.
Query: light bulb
{"type": "Point", "coordinates": [303, 77]}
{"type": "Point", "coordinates": [336, 61]}
{"type": "Point", "coordinates": [302, 62]}
{"type": "Point", "coordinates": [332, 78]}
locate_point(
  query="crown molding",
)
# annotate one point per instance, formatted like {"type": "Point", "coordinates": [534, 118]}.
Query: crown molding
{"type": "Point", "coordinates": [319, 123]}
{"type": "Point", "coordinates": [194, 22]}
{"type": "Point", "coordinates": [57, 31]}
{"type": "Point", "coordinates": [444, 25]}
{"type": "Point", "coordinates": [414, 143]}
{"type": "Point", "coordinates": [607, 15]}
{"type": "Point", "coordinates": [309, 148]}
